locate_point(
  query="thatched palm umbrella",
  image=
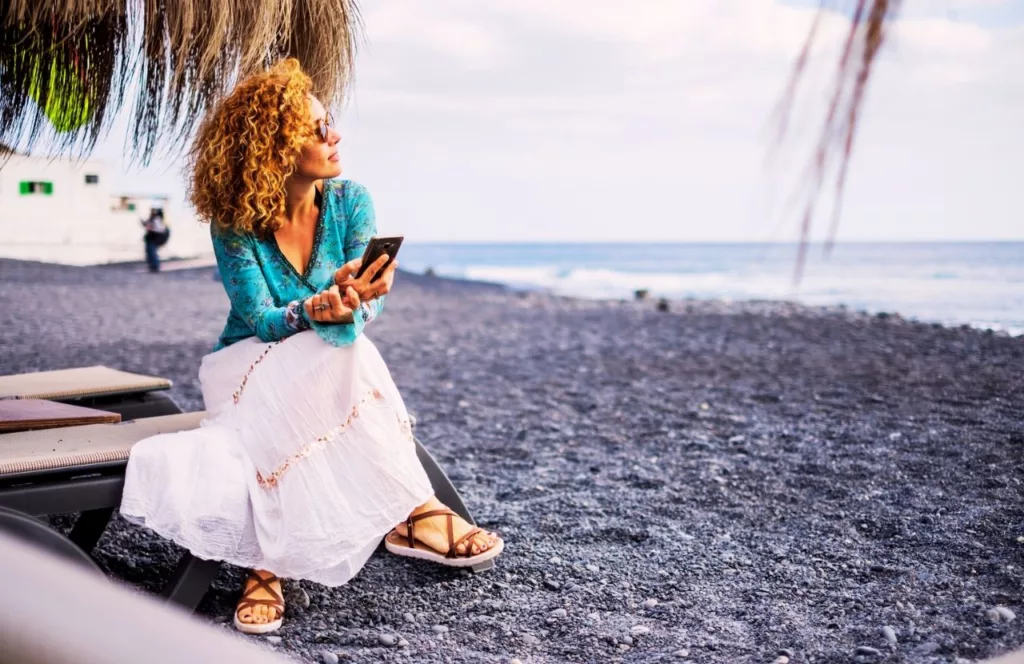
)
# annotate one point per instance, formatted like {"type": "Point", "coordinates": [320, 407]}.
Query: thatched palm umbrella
{"type": "Point", "coordinates": [75, 60]}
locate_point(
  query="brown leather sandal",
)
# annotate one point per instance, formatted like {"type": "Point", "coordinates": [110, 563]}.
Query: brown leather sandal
{"type": "Point", "coordinates": [410, 547]}
{"type": "Point", "coordinates": [248, 602]}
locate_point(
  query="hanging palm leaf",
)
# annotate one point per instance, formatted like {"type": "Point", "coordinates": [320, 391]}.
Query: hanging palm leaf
{"type": "Point", "coordinates": [869, 20]}
{"type": "Point", "coordinates": [71, 63]}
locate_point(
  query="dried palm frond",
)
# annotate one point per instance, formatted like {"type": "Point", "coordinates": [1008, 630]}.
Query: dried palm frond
{"type": "Point", "coordinates": [868, 26]}
{"type": "Point", "coordinates": [326, 56]}
{"type": "Point", "coordinates": [72, 62]}
{"type": "Point", "coordinates": [57, 64]}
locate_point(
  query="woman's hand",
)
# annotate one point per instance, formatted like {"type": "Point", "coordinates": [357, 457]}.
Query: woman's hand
{"type": "Point", "coordinates": [330, 306]}
{"type": "Point", "coordinates": [367, 289]}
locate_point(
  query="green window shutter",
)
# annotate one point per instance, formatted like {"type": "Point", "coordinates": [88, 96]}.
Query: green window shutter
{"type": "Point", "coordinates": [48, 188]}
{"type": "Point", "coordinates": [24, 188]}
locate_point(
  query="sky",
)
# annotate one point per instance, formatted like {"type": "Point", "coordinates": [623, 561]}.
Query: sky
{"type": "Point", "coordinates": [619, 121]}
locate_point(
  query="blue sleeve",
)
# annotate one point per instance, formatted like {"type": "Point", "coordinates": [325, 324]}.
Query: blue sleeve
{"type": "Point", "coordinates": [361, 227]}
{"type": "Point", "coordinates": [247, 289]}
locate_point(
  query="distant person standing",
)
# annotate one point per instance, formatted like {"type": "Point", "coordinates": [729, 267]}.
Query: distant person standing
{"type": "Point", "coordinates": [157, 234]}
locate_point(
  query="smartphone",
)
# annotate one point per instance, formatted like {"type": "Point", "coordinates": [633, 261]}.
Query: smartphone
{"type": "Point", "coordinates": [377, 247]}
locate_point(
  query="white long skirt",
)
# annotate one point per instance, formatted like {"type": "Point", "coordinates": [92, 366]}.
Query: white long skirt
{"type": "Point", "coordinates": [304, 461]}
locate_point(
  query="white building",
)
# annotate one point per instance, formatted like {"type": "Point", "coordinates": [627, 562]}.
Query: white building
{"type": "Point", "coordinates": [61, 210]}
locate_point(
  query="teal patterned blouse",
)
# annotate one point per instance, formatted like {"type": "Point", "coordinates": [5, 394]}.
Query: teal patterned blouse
{"type": "Point", "coordinates": [267, 292]}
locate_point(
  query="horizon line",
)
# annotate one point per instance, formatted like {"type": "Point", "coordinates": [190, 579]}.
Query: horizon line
{"type": "Point", "coordinates": [812, 243]}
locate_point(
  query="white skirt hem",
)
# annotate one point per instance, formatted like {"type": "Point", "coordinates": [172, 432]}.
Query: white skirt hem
{"type": "Point", "coordinates": [303, 463]}
{"type": "Point", "coordinates": [333, 573]}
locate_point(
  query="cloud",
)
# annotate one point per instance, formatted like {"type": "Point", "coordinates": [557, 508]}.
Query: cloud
{"type": "Point", "coordinates": [619, 120]}
{"type": "Point", "coordinates": [616, 120]}
{"type": "Point", "coordinates": [442, 33]}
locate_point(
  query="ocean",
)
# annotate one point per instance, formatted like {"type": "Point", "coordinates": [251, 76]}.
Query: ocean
{"type": "Point", "coordinates": [974, 283]}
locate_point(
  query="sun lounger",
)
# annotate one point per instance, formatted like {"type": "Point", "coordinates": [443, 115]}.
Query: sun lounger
{"type": "Point", "coordinates": [81, 468]}
{"type": "Point", "coordinates": [55, 613]}
{"type": "Point", "coordinates": [129, 394]}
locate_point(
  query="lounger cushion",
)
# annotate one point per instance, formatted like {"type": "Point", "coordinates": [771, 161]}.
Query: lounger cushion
{"type": "Point", "coordinates": [76, 383]}
{"type": "Point", "coordinates": [69, 447]}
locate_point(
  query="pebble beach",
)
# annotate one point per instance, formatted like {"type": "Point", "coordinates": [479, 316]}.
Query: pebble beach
{"type": "Point", "coordinates": [739, 482]}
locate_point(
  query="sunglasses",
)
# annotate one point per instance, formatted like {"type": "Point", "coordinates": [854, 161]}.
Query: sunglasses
{"type": "Point", "coordinates": [323, 126]}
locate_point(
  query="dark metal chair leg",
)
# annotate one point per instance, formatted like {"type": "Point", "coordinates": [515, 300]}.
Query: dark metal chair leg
{"type": "Point", "coordinates": [447, 493]}
{"type": "Point", "coordinates": [443, 487]}
{"type": "Point", "coordinates": [483, 567]}
{"type": "Point", "coordinates": [89, 528]}
{"type": "Point", "coordinates": [190, 581]}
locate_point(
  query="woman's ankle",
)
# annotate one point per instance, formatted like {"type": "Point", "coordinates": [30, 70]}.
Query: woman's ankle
{"type": "Point", "coordinates": [432, 504]}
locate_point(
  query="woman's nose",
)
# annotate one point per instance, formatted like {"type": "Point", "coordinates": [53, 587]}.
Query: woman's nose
{"type": "Point", "coordinates": [333, 136]}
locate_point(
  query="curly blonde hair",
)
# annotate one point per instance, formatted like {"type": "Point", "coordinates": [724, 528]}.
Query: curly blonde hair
{"type": "Point", "coordinates": [247, 146]}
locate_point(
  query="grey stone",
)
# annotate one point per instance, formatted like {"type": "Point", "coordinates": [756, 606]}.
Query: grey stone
{"type": "Point", "coordinates": [650, 603]}
{"type": "Point", "coordinates": [627, 639]}
{"type": "Point", "coordinates": [408, 617]}
{"type": "Point", "coordinates": [273, 638]}
{"type": "Point", "coordinates": [328, 657]}
{"type": "Point", "coordinates": [552, 584]}
{"type": "Point", "coordinates": [516, 660]}
{"type": "Point", "coordinates": [866, 651]}
{"type": "Point", "coordinates": [640, 630]}
{"type": "Point", "coordinates": [781, 659]}
{"type": "Point", "coordinates": [682, 652]}
{"type": "Point", "coordinates": [993, 616]}
{"type": "Point", "coordinates": [1005, 613]}
{"type": "Point", "coordinates": [402, 643]}
{"type": "Point", "coordinates": [530, 639]}
{"type": "Point", "coordinates": [889, 634]}
{"type": "Point", "coordinates": [300, 598]}
{"type": "Point", "coordinates": [387, 639]}
{"type": "Point", "coordinates": [594, 568]}
{"type": "Point", "coordinates": [439, 629]}
{"type": "Point", "coordinates": [559, 613]}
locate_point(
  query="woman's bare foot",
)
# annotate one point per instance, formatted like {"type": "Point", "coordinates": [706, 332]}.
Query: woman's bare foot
{"type": "Point", "coordinates": [433, 531]}
{"type": "Point", "coordinates": [261, 604]}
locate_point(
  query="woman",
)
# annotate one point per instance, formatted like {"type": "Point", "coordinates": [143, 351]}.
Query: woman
{"type": "Point", "coordinates": [306, 458]}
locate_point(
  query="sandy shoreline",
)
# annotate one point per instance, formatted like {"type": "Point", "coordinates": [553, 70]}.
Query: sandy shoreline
{"type": "Point", "coordinates": [718, 483]}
